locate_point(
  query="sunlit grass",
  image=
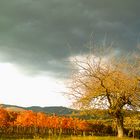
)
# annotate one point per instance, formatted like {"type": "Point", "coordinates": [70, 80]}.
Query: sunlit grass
{"type": "Point", "coordinates": [94, 138]}
{"type": "Point", "coordinates": [79, 138]}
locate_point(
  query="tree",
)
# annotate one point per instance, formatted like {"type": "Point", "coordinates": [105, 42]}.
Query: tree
{"type": "Point", "coordinates": [106, 82]}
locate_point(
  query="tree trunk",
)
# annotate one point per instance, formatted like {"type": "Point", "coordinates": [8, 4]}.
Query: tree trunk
{"type": "Point", "coordinates": [120, 127]}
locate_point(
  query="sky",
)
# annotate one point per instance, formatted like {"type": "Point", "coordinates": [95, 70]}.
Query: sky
{"type": "Point", "coordinates": [38, 37]}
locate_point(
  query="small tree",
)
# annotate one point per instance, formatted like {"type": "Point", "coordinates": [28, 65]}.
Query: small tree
{"type": "Point", "coordinates": [107, 83]}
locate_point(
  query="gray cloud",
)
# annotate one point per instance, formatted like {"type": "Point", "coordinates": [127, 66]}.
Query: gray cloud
{"type": "Point", "coordinates": [34, 34]}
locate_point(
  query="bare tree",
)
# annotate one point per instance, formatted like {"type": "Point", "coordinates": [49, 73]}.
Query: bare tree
{"type": "Point", "coordinates": [106, 82]}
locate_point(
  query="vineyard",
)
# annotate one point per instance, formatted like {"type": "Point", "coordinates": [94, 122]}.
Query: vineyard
{"type": "Point", "coordinates": [29, 124]}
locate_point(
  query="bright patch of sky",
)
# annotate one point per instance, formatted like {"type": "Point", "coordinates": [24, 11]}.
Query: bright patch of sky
{"type": "Point", "coordinates": [19, 89]}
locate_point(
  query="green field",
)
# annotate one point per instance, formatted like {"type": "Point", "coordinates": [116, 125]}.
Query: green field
{"type": "Point", "coordinates": [78, 138]}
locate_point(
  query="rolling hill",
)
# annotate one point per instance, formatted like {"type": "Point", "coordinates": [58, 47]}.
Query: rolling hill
{"type": "Point", "coordinates": [59, 110]}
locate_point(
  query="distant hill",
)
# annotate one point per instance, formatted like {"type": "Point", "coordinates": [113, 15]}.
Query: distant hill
{"type": "Point", "coordinates": [16, 109]}
{"type": "Point", "coordinates": [12, 107]}
{"type": "Point", "coordinates": [59, 110]}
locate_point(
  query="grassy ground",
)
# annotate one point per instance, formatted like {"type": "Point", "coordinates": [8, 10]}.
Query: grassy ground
{"type": "Point", "coordinates": [79, 138]}
{"type": "Point", "coordinates": [94, 138]}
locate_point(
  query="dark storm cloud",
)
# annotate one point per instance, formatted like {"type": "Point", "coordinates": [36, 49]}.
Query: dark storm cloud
{"type": "Point", "coordinates": [39, 35]}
